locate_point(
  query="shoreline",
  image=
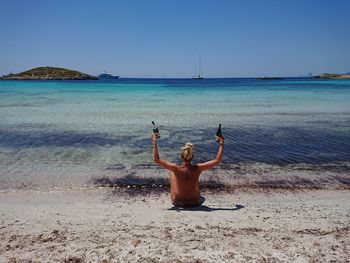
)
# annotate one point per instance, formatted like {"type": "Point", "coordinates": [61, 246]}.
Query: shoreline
{"type": "Point", "coordinates": [161, 188]}
{"type": "Point", "coordinates": [112, 225]}
{"type": "Point", "coordinates": [219, 180]}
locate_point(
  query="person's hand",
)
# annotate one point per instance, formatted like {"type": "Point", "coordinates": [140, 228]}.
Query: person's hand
{"type": "Point", "coordinates": [220, 139]}
{"type": "Point", "coordinates": [155, 137]}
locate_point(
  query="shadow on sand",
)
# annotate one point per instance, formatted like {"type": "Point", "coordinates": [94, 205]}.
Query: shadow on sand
{"type": "Point", "coordinates": [205, 208]}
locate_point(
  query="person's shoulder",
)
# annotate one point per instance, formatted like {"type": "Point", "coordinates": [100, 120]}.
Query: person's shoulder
{"type": "Point", "coordinates": [195, 167]}
{"type": "Point", "coordinates": [179, 166]}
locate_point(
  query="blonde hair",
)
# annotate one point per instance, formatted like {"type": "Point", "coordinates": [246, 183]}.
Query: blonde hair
{"type": "Point", "coordinates": [187, 151]}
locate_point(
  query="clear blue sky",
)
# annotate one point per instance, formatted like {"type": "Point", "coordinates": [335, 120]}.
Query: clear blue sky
{"type": "Point", "coordinates": [160, 38]}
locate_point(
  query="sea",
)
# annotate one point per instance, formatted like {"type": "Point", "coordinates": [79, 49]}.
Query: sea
{"type": "Point", "coordinates": [293, 132]}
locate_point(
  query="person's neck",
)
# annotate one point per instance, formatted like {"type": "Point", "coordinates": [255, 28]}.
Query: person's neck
{"type": "Point", "coordinates": [187, 164]}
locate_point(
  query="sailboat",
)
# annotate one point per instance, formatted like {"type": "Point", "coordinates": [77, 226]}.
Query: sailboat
{"type": "Point", "coordinates": [198, 75]}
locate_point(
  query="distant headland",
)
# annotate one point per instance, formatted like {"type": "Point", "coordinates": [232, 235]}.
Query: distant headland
{"type": "Point", "coordinates": [332, 76]}
{"type": "Point", "coordinates": [49, 73]}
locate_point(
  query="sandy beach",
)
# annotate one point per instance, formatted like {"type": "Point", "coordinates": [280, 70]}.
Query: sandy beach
{"type": "Point", "coordinates": [112, 225]}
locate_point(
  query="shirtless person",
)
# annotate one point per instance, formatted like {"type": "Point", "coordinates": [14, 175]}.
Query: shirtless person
{"type": "Point", "coordinates": [184, 178]}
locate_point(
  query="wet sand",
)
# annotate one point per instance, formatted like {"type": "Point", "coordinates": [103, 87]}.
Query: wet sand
{"type": "Point", "coordinates": [113, 225]}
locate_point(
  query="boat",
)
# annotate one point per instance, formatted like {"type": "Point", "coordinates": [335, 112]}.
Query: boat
{"type": "Point", "coordinates": [199, 74]}
{"type": "Point", "coordinates": [106, 76]}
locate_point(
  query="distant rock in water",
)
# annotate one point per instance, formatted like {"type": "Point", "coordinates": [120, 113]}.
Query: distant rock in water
{"type": "Point", "coordinates": [332, 76]}
{"type": "Point", "coordinates": [49, 73]}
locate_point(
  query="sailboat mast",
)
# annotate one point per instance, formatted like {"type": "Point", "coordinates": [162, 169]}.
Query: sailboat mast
{"type": "Point", "coordinates": [195, 68]}
{"type": "Point", "coordinates": [198, 74]}
{"type": "Point", "coordinates": [199, 70]}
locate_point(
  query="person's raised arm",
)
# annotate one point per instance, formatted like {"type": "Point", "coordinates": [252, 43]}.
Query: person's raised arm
{"type": "Point", "coordinates": [163, 163]}
{"type": "Point", "coordinates": [217, 160]}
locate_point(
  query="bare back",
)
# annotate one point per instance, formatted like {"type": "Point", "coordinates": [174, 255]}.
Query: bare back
{"type": "Point", "coordinates": [184, 185]}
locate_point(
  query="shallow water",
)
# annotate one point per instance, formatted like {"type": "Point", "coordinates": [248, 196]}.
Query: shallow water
{"type": "Point", "coordinates": [67, 133]}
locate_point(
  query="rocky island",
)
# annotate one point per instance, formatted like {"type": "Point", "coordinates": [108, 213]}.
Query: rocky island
{"type": "Point", "coordinates": [332, 76]}
{"type": "Point", "coordinates": [49, 73]}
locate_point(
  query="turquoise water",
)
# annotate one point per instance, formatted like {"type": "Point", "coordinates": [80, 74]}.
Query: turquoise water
{"type": "Point", "coordinates": [68, 133]}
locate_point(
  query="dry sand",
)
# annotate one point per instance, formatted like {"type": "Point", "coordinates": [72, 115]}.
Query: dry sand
{"type": "Point", "coordinates": [108, 225]}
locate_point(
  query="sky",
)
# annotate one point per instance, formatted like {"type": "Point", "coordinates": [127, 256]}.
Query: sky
{"type": "Point", "coordinates": [163, 38]}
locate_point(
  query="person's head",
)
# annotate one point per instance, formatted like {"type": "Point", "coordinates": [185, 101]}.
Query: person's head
{"type": "Point", "coordinates": [187, 152]}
